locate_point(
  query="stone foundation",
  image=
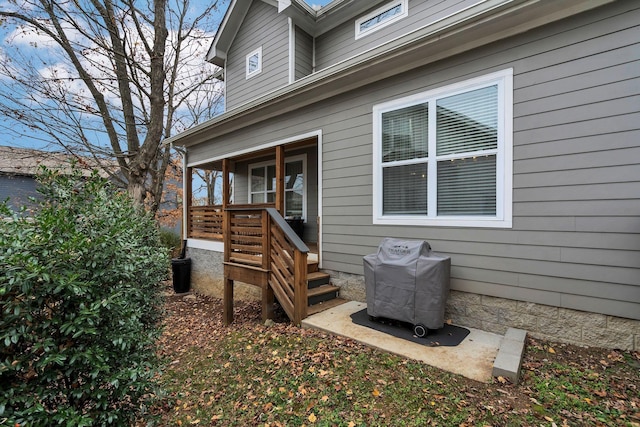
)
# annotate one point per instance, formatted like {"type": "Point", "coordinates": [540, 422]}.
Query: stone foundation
{"type": "Point", "coordinates": [207, 276]}
{"type": "Point", "coordinates": [465, 309]}
{"type": "Point", "coordinates": [542, 321]}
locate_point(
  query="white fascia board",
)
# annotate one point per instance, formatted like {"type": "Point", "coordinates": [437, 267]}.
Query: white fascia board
{"type": "Point", "coordinates": [227, 31]}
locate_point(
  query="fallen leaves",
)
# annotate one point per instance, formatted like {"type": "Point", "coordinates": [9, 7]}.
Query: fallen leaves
{"type": "Point", "coordinates": [252, 374]}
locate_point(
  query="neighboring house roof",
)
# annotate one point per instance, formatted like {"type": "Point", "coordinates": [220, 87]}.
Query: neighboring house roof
{"type": "Point", "coordinates": [482, 23]}
{"type": "Point", "coordinates": [27, 161]}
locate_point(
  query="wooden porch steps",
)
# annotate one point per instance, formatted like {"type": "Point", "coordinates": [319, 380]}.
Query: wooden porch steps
{"type": "Point", "coordinates": [316, 278]}
{"type": "Point", "coordinates": [320, 307]}
{"type": "Point", "coordinates": [321, 294]}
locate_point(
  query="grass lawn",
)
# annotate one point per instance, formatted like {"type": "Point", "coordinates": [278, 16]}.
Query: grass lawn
{"type": "Point", "coordinates": [250, 374]}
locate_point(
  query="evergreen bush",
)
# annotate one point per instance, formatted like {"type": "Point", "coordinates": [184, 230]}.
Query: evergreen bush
{"type": "Point", "coordinates": [171, 240]}
{"type": "Point", "coordinates": [80, 306]}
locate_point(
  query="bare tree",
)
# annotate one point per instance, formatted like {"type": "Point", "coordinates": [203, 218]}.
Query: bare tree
{"type": "Point", "coordinates": [109, 79]}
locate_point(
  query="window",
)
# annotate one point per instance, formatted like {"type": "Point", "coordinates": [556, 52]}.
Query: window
{"type": "Point", "coordinates": [381, 17]}
{"type": "Point", "coordinates": [254, 62]}
{"type": "Point", "coordinates": [444, 157]}
{"type": "Point", "coordinates": [262, 185]}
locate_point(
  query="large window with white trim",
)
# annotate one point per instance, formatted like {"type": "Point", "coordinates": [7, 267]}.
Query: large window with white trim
{"type": "Point", "coordinates": [444, 157]}
{"type": "Point", "coordinates": [262, 185]}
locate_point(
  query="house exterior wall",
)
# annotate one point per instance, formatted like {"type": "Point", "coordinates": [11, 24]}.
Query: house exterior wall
{"type": "Point", "coordinates": [262, 27]}
{"type": "Point", "coordinates": [303, 54]}
{"type": "Point", "coordinates": [340, 43]}
{"type": "Point", "coordinates": [575, 240]}
{"type": "Point", "coordinates": [18, 188]}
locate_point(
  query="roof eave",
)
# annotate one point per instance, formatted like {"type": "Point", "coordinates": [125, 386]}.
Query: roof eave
{"type": "Point", "coordinates": [227, 31]}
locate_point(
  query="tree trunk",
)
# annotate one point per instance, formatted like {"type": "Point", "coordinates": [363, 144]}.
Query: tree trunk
{"type": "Point", "coordinates": [136, 189]}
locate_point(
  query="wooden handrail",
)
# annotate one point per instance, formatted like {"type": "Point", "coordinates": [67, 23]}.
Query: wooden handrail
{"type": "Point", "coordinates": [258, 236]}
{"type": "Point", "coordinates": [249, 206]}
{"type": "Point", "coordinates": [284, 225]}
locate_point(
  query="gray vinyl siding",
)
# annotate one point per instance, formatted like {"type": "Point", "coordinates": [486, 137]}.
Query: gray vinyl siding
{"type": "Point", "coordinates": [340, 43]}
{"type": "Point", "coordinates": [575, 240]}
{"type": "Point", "coordinates": [262, 26]}
{"type": "Point", "coordinates": [304, 54]}
{"type": "Point", "coordinates": [18, 189]}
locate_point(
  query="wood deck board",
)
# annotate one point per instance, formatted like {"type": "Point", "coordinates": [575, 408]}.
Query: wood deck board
{"type": "Point", "coordinates": [320, 307]}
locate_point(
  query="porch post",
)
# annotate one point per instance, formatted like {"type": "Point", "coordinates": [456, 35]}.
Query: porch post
{"type": "Point", "coordinates": [227, 295]}
{"type": "Point", "coordinates": [187, 198]}
{"type": "Point", "coordinates": [227, 302]}
{"type": "Point", "coordinates": [280, 179]}
{"type": "Point", "coordinates": [226, 218]}
{"type": "Point", "coordinates": [225, 183]}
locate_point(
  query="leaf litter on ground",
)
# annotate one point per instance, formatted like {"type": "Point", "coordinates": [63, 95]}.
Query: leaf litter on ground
{"type": "Point", "coordinates": [251, 374]}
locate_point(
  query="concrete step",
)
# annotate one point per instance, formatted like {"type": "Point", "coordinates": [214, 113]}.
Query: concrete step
{"type": "Point", "coordinates": [509, 358]}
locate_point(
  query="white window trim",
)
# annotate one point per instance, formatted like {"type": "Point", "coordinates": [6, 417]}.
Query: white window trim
{"type": "Point", "coordinates": [296, 158]}
{"type": "Point", "coordinates": [504, 161]}
{"type": "Point", "coordinates": [257, 71]}
{"type": "Point", "coordinates": [405, 12]}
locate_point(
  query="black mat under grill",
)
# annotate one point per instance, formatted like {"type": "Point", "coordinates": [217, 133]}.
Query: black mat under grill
{"type": "Point", "coordinates": [449, 335]}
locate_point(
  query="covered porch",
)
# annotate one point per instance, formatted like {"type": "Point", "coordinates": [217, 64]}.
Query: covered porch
{"type": "Point", "coordinates": [262, 207]}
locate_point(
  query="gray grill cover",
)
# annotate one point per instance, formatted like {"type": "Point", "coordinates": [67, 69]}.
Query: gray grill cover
{"type": "Point", "coordinates": [406, 281]}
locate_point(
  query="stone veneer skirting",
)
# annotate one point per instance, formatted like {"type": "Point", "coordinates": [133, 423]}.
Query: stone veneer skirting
{"type": "Point", "coordinates": [483, 312]}
{"type": "Point", "coordinates": [496, 315]}
{"type": "Point", "coordinates": [207, 276]}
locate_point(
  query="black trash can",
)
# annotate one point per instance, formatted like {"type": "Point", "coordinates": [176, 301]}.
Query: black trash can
{"type": "Point", "coordinates": [181, 268]}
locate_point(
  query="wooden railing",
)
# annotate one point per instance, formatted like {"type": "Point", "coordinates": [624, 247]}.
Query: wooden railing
{"type": "Point", "coordinates": [259, 239]}
{"type": "Point", "coordinates": [205, 222]}
{"type": "Point", "coordinates": [246, 239]}
{"type": "Point", "coordinates": [288, 277]}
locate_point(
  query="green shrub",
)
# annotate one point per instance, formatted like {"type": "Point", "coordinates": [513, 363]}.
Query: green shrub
{"type": "Point", "coordinates": [80, 305]}
{"type": "Point", "coordinates": [171, 240]}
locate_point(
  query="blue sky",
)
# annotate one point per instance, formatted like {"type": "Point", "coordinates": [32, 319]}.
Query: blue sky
{"type": "Point", "coordinates": [318, 2]}
{"type": "Point", "coordinates": [15, 140]}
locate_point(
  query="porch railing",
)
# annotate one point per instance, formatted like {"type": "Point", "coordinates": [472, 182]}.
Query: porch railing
{"type": "Point", "coordinates": [260, 238]}
{"type": "Point", "coordinates": [205, 222]}
{"type": "Point", "coordinates": [288, 277]}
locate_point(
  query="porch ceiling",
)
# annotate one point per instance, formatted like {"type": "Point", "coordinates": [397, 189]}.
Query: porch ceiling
{"type": "Point", "coordinates": [265, 152]}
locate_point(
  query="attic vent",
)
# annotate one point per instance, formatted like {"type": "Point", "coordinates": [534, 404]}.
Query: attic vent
{"type": "Point", "coordinates": [381, 17]}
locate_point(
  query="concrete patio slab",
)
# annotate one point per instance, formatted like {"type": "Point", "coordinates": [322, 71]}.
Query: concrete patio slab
{"type": "Point", "coordinates": [473, 358]}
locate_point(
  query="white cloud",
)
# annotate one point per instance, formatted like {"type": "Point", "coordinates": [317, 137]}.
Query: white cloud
{"type": "Point", "coordinates": [55, 68]}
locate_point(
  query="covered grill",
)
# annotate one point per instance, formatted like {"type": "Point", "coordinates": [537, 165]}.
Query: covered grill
{"type": "Point", "coordinates": [408, 282]}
